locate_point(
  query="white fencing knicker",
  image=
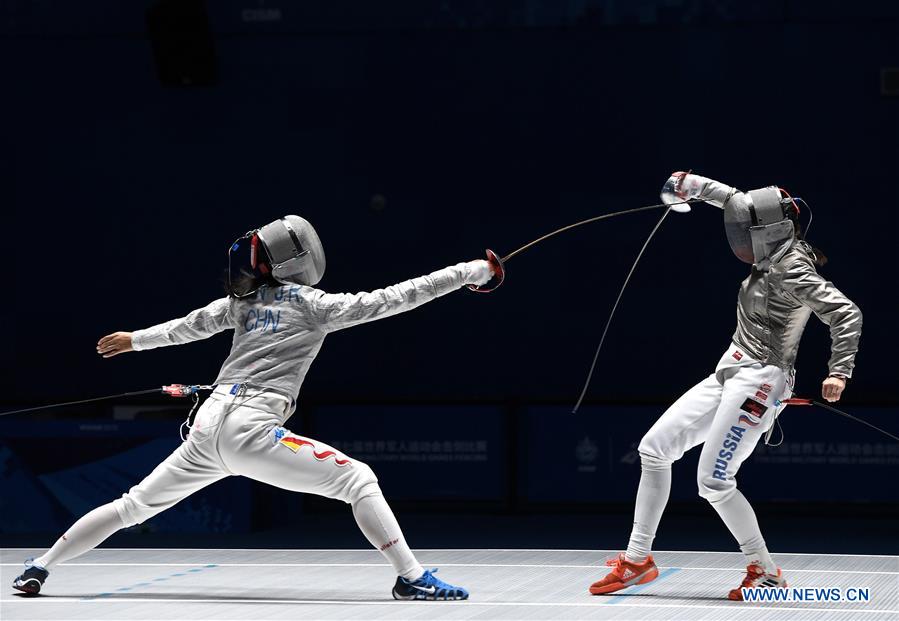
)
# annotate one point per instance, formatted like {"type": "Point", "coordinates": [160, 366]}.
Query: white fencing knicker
{"type": "Point", "coordinates": [238, 431]}
{"type": "Point", "coordinates": [728, 412]}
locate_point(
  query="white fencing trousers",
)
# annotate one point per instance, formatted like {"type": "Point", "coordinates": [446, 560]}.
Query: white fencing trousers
{"type": "Point", "coordinates": [728, 412]}
{"type": "Point", "coordinates": [241, 434]}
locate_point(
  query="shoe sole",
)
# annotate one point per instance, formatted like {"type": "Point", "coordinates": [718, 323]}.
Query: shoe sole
{"type": "Point", "coordinates": [29, 587]}
{"type": "Point", "coordinates": [649, 576]}
{"type": "Point", "coordinates": [736, 595]}
{"type": "Point", "coordinates": [417, 598]}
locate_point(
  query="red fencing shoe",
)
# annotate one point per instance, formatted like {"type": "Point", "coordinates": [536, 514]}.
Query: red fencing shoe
{"type": "Point", "coordinates": [757, 578]}
{"type": "Point", "coordinates": [625, 574]}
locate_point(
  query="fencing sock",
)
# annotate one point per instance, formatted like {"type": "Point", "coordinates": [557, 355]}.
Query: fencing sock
{"type": "Point", "coordinates": [380, 527]}
{"type": "Point", "coordinates": [738, 516]}
{"type": "Point", "coordinates": [652, 496]}
{"type": "Point", "coordinates": [85, 534]}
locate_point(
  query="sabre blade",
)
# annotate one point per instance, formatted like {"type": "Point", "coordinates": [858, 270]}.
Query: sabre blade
{"type": "Point", "coordinates": [856, 419]}
{"type": "Point", "coordinates": [614, 308]}
{"type": "Point", "coordinates": [173, 390]}
{"type": "Point", "coordinates": [685, 207]}
{"type": "Point", "coordinates": [804, 401]}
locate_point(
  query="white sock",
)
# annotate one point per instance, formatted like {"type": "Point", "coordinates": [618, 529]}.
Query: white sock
{"type": "Point", "coordinates": [652, 496]}
{"type": "Point", "coordinates": [738, 516]}
{"type": "Point", "coordinates": [379, 525]}
{"type": "Point", "coordinates": [762, 557]}
{"type": "Point", "coordinates": [85, 534]}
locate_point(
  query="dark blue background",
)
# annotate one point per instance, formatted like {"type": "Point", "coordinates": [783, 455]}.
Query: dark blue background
{"type": "Point", "coordinates": [121, 196]}
{"type": "Point", "coordinates": [481, 125]}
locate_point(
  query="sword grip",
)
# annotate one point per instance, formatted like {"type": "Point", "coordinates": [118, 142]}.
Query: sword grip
{"type": "Point", "coordinates": [796, 401]}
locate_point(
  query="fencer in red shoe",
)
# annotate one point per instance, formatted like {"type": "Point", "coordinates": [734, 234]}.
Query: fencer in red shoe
{"type": "Point", "coordinates": [757, 577]}
{"type": "Point", "coordinates": [624, 574]}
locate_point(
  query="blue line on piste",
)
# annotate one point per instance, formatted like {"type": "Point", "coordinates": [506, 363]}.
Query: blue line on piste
{"type": "Point", "coordinates": [619, 598]}
{"type": "Point", "coordinates": [148, 583]}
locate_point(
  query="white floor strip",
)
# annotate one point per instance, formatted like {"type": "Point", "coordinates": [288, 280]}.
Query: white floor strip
{"type": "Point", "coordinates": [735, 607]}
{"type": "Point", "coordinates": [525, 565]}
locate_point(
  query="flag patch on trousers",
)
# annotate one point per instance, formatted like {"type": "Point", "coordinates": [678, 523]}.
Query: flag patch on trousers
{"type": "Point", "coordinates": [754, 407]}
{"type": "Point", "coordinates": [284, 438]}
{"type": "Point", "coordinates": [747, 421]}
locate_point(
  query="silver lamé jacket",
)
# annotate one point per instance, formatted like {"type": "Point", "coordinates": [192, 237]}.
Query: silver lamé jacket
{"type": "Point", "coordinates": [773, 306]}
{"type": "Point", "coordinates": [279, 331]}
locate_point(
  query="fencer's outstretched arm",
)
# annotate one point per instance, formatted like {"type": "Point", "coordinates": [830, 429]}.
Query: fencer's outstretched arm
{"type": "Point", "coordinates": [199, 324]}
{"type": "Point", "coordinates": [335, 311]}
{"type": "Point", "coordinates": [711, 191]}
{"type": "Point", "coordinates": [842, 315]}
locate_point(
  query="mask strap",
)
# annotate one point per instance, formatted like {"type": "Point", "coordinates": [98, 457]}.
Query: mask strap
{"type": "Point", "coordinates": [298, 247]}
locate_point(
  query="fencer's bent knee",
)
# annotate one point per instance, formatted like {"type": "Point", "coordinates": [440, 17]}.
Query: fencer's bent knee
{"type": "Point", "coordinates": [651, 462]}
{"type": "Point", "coordinates": [659, 444]}
{"type": "Point", "coordinates": [132, 510]}
{"type": "Point", "coordinates": [715, 486]}
{"type": "Point", "coordinates": [654, 446]}
{"type": "Point", "coordinates": [360, 483]}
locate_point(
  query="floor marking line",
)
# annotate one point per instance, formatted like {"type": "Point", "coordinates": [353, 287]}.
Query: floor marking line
{"type": "Point", "coordinates": [43, 601]}
{"type": "Point", "coordinates": [108, 594]}
{"type": "Point", "coordinates": [498, 565]}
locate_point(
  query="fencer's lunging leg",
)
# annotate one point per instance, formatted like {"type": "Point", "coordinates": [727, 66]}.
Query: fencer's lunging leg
{"type": "Point", "coordinates": [256, 446]}
{"type": "Point", "coordinates": [734, 433]}
{"type": "Point", "coordinates": [379, 525]}
{"type": "Point", "coordinates": [85, 534]}
{"type": "Point", "coordinates": [652, 496]}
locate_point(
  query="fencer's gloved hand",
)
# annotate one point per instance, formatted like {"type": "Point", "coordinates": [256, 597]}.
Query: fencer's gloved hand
{"type": "Point", "coordinates": [686, 186]}
{"type": "Point", "coordinates": [479, 272]}
{"type": "Point", "coordinates": [681, 187]}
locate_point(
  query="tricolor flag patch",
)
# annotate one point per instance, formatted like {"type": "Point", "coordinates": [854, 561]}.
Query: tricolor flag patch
{"type": "Point", "coordinates": [283, 437]}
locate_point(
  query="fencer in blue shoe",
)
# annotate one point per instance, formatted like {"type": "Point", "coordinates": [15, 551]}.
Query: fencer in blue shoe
{"type": "Point", "coordinates": [427, 587]}
{"type": "Point", "coordinates": [32, 579]}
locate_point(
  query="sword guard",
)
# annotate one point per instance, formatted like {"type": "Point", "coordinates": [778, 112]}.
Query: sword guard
{"type": "Point", "coordinates": [499, 274]}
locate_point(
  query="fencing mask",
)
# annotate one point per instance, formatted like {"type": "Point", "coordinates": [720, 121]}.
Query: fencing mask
{"type": "Point", "coordinates": [758, 228]}
{"type": "Point", "coordinates": [287, 250]}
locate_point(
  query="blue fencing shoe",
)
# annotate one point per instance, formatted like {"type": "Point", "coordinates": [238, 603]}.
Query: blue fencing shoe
{"type": "Point", "coordinates": [32, 580]}
{"type": "Point", "coordinates": [427, 587]}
